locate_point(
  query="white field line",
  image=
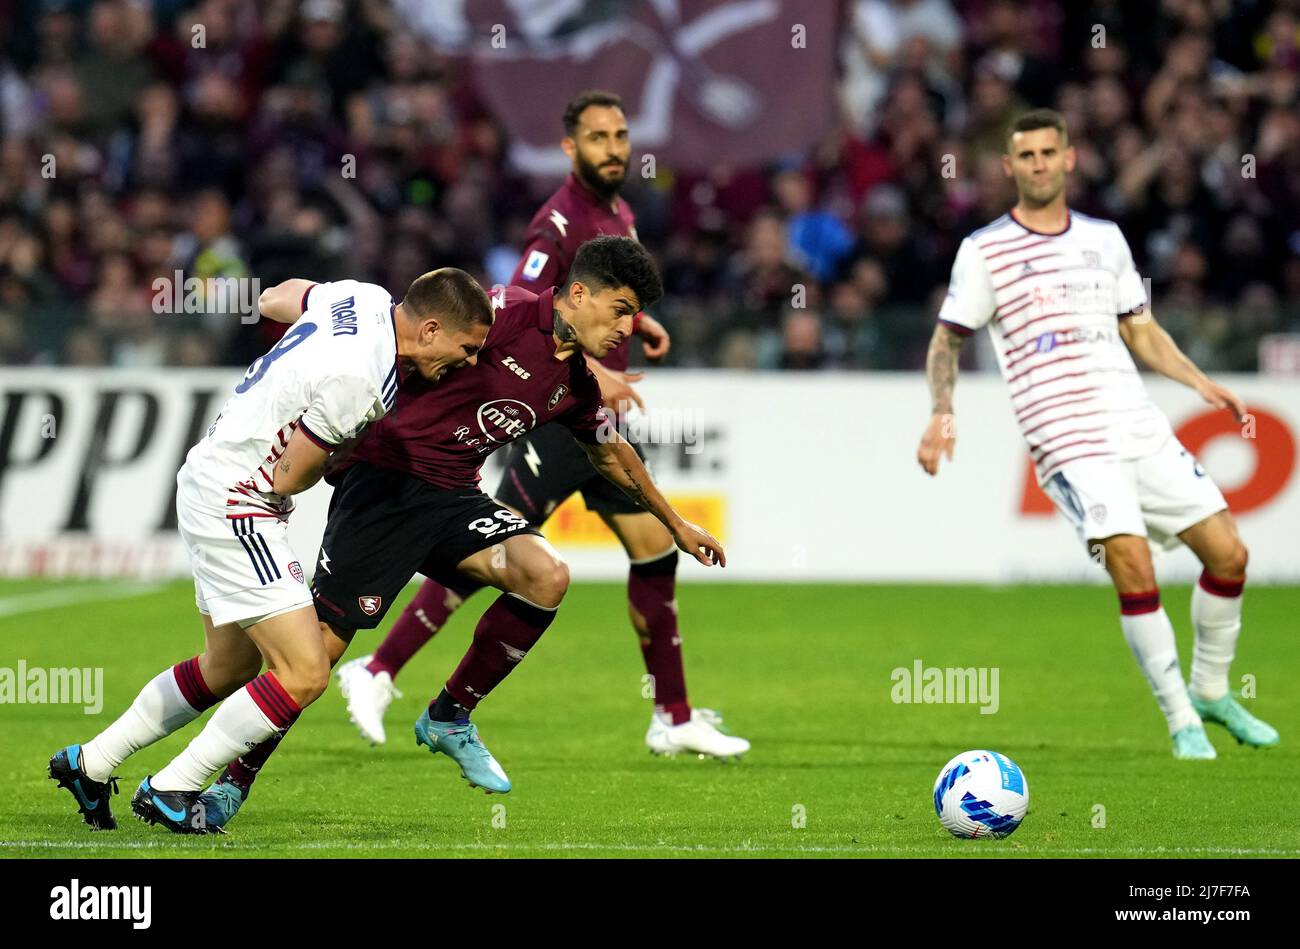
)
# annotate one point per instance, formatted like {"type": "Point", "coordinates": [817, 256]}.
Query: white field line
{"type": "Point", "coordinates": [561, 847]}
{"type": "Point", "coordinates": [73, 596]}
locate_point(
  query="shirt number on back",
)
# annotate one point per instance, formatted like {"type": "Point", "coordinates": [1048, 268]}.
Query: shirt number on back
{"type": "Point", "coordinates": [262, 363]}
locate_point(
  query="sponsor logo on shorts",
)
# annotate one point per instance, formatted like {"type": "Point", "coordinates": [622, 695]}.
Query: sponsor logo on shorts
{"type": "Point", "coordinates": [370, 604]}
{"type": "Point", "coordinates": [295, 568]}
{"type": "Point", "coordinates": [1098, 513]}
{"type": "Point", "coordinates": [560, 392]}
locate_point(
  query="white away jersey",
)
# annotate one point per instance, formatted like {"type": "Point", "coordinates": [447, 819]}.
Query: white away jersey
{"type": "Point", "coordinates": [1052, 303]}
{"type": "Point", "coordinates": [333, 372]}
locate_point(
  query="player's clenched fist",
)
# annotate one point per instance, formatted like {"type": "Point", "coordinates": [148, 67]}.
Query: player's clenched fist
{"type": "Point", "coordinates": [939, 438]}
{"type": "Point", "coordinates": [700, 544]}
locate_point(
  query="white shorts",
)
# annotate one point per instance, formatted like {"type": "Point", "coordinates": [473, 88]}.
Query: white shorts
{"type": "Point", "coordinates": [244, 569]}
{"type": "Point", "coordinates": [1156, 497]}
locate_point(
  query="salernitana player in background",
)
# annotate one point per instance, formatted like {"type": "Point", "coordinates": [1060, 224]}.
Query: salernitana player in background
{"type": "Point", "coordinates": [1067, 312]}
{"type": "Point", "coordinates": [547, 467]}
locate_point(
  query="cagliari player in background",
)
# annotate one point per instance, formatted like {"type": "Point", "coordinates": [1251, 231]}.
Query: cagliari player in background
{"type": "Point", "coordinates": [1067, 312]}
{"type": "Point", "coordinates": [335, 370]}
{"type": "Point", "coordinates": [548, 466]}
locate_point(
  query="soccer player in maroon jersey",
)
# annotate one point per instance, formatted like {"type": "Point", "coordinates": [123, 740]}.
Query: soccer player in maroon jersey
{"type": "Point", "coordinates": [408, 499]}
{"type": "Point", "coordinates": [548, 467]}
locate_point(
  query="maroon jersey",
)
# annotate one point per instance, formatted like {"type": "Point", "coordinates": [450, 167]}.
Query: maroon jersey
{"type": "Point", "coordinates": [569, 218]}
{"type": "Point", "coordinates": [442, 432]}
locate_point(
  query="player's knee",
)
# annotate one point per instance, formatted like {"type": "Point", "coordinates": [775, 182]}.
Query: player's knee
{"type": "Point", "coordinates": [1130, 567]}
{"type": "Point", "coordinates": [247, 668]}
{"type": "Point", "coordinates": [225, 672]}
{"type": "Point", "coordinates": [546, 583]}
{"type": "Point", "coordinates": [1233, 566]}
{"type": "Point", "coordinates": [306, 680]}
{"type": "Point", "coordinates": [316, 681]}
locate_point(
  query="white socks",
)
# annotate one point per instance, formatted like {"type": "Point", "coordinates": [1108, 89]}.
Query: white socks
{"type": "Point", "coordinates": [256, 712]}
{"type": "Point", "coordinates": [173, 698]}
{"type": "Point", "coordinates": [1151, 637]}
{"type": "Point", "coordinates": [1216, 615]}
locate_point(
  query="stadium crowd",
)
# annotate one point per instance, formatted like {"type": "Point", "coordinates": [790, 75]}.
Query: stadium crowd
{"type": "Point", "coordinates": [128, 154]}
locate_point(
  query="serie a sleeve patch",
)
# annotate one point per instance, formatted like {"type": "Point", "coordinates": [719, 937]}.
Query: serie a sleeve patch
{"type": "Point", "coordinates": [534, 264]}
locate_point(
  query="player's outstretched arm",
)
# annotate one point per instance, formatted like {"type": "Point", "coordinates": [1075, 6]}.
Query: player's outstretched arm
{"type": "Point", "coordinates": [619, 462]}
{"type": "Point", "coordinates": [941, 372]}
{"type": "Point", "coordinates": [283, 302]}
{"type": "Point", "coordinates": [1156, 349]}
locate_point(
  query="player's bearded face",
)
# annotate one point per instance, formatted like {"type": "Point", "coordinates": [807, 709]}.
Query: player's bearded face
{"type": "Point", "coordinates": [601, 149]}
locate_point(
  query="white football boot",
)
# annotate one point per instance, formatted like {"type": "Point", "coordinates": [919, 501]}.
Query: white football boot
{"type": "Point", "coordinates": [368, 695]}
{"type": "Point", "coordinates": [698, 736]}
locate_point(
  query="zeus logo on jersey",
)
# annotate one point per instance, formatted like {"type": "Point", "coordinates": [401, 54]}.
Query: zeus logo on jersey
{"type": "Point", "coordinates": [518, 370]}
{"type": "Point", "coordinates": [533, 266]}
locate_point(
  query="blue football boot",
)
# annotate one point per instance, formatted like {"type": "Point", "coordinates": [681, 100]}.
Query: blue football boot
{"type": "Point", "coordinates": [92, 796]}
{"type": "Point", "coordinates": [460, 742]}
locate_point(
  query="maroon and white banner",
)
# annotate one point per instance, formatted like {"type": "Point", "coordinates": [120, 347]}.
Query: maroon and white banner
{"type": "Point", "coordinates": [705, 82]}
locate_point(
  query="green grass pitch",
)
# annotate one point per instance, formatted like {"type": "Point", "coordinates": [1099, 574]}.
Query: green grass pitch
{"type": "Point", "coordinates": [802, 671]}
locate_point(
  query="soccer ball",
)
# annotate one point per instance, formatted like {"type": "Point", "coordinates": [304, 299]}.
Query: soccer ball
{"type": "Point", "coordinates": [981, 794]}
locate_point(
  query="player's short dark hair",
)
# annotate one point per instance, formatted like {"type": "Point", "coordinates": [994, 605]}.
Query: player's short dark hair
{"type": "Point", "coordinates": [1038, 119]}
{"type": "Point", "coordinates": [450, 295]}
{"type": "Point", "coordinates": [611, 262]}
{"type": "Point", "coordinates": [580, 103]}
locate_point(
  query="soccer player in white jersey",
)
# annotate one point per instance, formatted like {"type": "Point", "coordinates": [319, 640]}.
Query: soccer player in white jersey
{"type": "Point", "coordinates": [336, 369]}
{"type": "Point", "coordinates": [1067, 312]}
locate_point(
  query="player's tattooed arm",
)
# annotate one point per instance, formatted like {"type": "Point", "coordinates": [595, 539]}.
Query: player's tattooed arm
{"type": "Point", "coordinates": [618, 461]}
{"type": "Point", "coordinates": [283, 302]}
{"type": "Point", "coordinates": [1156, 349]}
{"type": "Point", "coordinates": [940, 435]}
{"type": "Point", "coordinates": [941, 368]}
{"type": "Point", "coordinates": [299, 467]}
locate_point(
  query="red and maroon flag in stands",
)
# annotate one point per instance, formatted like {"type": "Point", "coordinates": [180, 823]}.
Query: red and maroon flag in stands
{"type": "Point", "coordinates": [704, 82]}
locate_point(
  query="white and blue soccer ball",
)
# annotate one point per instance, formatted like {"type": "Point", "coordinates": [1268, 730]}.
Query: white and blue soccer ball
{"type": "Point", "coordinates": [981, 794]}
